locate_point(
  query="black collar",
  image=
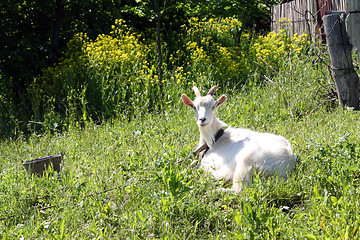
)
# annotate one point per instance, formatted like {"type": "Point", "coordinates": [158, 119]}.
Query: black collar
{"type": "Point", "coordinates": [218, 135]}
{"type": "Point", "coordinates": [205, 148]}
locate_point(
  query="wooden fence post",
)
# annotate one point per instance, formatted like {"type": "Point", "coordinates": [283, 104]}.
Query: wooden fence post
{"type": "Point", "coordinates": [339, 47]}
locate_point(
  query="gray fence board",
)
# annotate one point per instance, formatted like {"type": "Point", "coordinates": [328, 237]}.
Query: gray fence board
{"type": "Point", "coordinates": [305, 16]}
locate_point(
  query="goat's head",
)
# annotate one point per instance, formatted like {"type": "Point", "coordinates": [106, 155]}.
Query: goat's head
{"type": "Point", "coordinates": [204, 106]}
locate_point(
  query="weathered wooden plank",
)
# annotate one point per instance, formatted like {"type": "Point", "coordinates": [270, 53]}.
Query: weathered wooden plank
{"type": "Point", "coordinates": [298, 12]}
{"type": "Point", "coordinates": [295, 12]}
{"type": "Point", "coordinates": [352, 7]}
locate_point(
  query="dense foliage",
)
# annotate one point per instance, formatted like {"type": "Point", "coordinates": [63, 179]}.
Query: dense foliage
{"type": "Point", "coordinates": [96, 80]}
{"type": "Point", "coordinates": [115, 75]}
{"type": "Point", "coordinates": [36, 35]}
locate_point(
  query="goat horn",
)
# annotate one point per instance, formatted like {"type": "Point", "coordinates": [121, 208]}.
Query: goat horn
{"type": "Point", "coordinates": [196, 91]}
{"type": "Point", "coordinates": [212, 90]}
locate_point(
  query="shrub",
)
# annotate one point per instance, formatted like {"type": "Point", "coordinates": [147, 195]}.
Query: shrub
{"type": "Point", "coordinates": [271, 49]}
{"type": "Point", "coordinates": [116, 74]}
{"type": "Point", "coordinates": [209, 54]}
{"type": "Point", "coordinates": [98, 79]}
{"type": "Point", "coordinates": [120, 73]}
{"type": "Point", "coordinates": [212, 53]}
{"type": "Point", "coordinates": [6, 108]}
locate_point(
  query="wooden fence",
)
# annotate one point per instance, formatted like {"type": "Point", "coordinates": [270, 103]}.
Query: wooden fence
{"type": "Point", "coordinates": [305, 16]}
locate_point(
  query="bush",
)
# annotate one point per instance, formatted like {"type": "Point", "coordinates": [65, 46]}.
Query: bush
{"type": "Point", "coordinates": [98, 79]}
{"type": "Point", "coordinates": [209, 54]}
{"type": "Point", "coordinates": [6, 107]}
{"type": "Point", "coordinates": [212, 53]}
{"type": "Point", "coordinates": [271, 50]}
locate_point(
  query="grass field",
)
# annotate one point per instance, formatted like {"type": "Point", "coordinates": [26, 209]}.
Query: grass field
{"type": "Point", "coordinates": [120, 179]}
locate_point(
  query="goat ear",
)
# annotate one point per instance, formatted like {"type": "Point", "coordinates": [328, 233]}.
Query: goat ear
{"type": "Point", "coordinates": [220, 101]}
{"type": "Point", "coordinates": [187, 100]}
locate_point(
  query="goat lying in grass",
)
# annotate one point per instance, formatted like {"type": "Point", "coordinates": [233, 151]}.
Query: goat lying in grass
{"type": "Point", "coordinates": [235, 153]}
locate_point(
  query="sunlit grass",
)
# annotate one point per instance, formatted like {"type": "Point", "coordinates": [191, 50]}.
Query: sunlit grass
{"type": "Point", "coordinates": [120, 180]}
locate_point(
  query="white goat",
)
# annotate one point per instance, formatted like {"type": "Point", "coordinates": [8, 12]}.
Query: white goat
{"type": "Point", "coordinates": [238, 152]}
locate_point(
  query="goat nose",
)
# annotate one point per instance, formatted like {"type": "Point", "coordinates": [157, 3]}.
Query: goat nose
{"type": "Point", "coordinates": [202, 119]}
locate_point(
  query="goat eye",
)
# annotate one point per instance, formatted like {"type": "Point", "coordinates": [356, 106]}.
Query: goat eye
{"type": "Point", "coordinates": [213, 108]}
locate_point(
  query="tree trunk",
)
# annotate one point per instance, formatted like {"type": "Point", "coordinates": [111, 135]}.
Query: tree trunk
{"type": "Point", "coordinates": [159, 53]}
{"type": "Point", "coordinates": [59, 16]}
{"type": "Point", "coordinates": [346, 79]}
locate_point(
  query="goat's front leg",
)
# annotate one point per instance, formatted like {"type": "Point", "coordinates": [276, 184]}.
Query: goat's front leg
{"type": "Point", "coordinates": [194, 155]}
{"type": "Point", "coordinates": [197, 155]}
{"type": "Point", "coordinates": [242, 176]}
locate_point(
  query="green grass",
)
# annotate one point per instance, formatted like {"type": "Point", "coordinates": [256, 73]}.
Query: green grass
{"type": "Point", "coordinates": [120, 179]}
